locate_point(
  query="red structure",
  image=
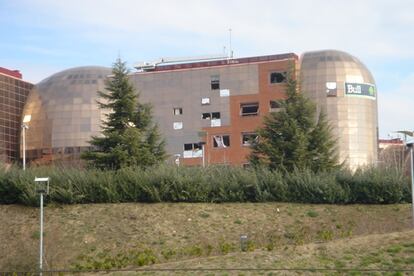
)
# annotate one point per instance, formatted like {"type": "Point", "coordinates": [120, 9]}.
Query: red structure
{"type": "Point", "coordinates": [12, 73]}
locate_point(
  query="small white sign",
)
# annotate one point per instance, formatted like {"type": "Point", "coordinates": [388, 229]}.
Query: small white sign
{"type": "Point", "coordinates": [224, 92]}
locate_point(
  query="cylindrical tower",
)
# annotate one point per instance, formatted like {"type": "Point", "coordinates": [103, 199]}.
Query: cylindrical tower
{"type": "Point", "coordinates": [64, 114]}
{"type": "Point", "coordinates": [343, 87]}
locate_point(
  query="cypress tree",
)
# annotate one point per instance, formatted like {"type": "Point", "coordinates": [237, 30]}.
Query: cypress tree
{"type": "Point", "coordinates": [295, 137]}
{"type": "Point", "coordinates": [129, 137]}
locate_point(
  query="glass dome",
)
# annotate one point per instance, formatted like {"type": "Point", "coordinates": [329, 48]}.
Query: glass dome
{"type": "Point", "coordinates": [64, 114]}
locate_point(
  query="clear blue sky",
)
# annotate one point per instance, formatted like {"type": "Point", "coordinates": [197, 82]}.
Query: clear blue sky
{"type": "Point", "coordinates": [43, 37]}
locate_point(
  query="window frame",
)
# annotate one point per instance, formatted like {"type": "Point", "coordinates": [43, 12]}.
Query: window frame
{"type": "Point", "coordinates": [244, 105]}
{"type": "Point", "coordinates": [283, 73]}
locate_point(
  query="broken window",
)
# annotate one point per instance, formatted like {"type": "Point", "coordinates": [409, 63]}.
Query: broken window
{"type": "Point", "coordinates": [208, 115]}
{"type": "Point", "coordinates": [178, 111]}
{"type": "Point", "coordinates": [331, 89]}
{"type": "Point", "coordinates": [192, 150]}
{"type": "Point", "coordinates": [277, 77]}
{"type": "Point", "coordinates": [215, 82]}
{"type": "Point", "coordinates": [250, 109]}
{"type": "Point", "coordinates": [221, 141]}
{"type": "Point", "coordinates": [249, 138]}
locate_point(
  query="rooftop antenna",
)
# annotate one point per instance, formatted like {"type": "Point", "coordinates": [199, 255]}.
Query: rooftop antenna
{"type": "Point", "coordinates": [230, 49]}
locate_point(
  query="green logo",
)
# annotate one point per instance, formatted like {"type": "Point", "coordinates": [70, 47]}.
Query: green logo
{"type": "Point", "coordinates": [371, 90]}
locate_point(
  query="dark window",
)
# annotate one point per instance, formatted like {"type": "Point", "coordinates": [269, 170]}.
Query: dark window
{"type": "Point", "coordinates": [221, 141]}
{"type": "Point", "coordinates": [192, 146]}
{"type": "Point", "coordinates": [250, 109]}
{"type": "Point", "coordinates": [208, 115]}
{"type": "Point", "coordinates": [215, 82]}
{"type": "Point", "coordinates": [178, 111]}
{"type": "Point", "coordinates": [248, 138]}
{"type": "Point", "coordinates": [275, 105]}
{"type": "Point", "coordinates": [188, 146]}
{"type": "Point", "coordinates": [277, 77]}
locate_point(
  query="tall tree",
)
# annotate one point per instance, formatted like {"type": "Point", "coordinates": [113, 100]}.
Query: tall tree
{"type": "Point", "coordinates": [295, 136]}
{"type": "Point", "coordinates": [129, 137]}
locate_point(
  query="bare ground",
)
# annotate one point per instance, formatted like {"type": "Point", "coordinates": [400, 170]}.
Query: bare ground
{"type": "Point", "coordinates": [105, 236]}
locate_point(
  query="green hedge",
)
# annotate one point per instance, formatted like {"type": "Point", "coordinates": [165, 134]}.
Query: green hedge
{"type": "Point", "coordinates": [213, 184]}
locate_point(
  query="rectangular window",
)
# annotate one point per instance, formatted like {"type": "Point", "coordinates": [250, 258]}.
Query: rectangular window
{"type": "Point", "coordinates": [188, 147]}
{"type": "Point", "coordinates": [212, 115]}
{"type": "Point", "coordinates": [178, 125]}
{"type": "Point", "coordinates": [205, 101]}
{"type": "Point", "coordinates": [215, 82]}
{"type": "Point", "coordinates": [277, 77]}
{"type": "Point", "coordinates": [249, 138]}
{"type": "Point", "coordinates": [192, 150]}
{"type": "Point", "coordinates": [331, 89]}
{"type": "Point", "coordinates": [249, 109]}
{"type": "Point", "coordinates": [178, 111]}
{"type": "Point", "coordinates": [221, 141]}
{"type": "Point", "coordinates": [206, 116]}
{"type": "Point", "coordinates": [275, 105]}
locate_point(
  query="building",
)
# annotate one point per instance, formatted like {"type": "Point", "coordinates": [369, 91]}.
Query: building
{"type": "Point", "coordinates": [13, 94]}
{"type": "Point", "coordinates": [218, 102]}
{"type": "Point", "coordinates": [221, 103]}
{"type": "Point", "coordinates": [343, 87]}
{"type": "Point", "coordinates": [64, 114]}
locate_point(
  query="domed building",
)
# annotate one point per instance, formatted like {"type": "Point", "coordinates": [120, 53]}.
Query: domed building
{"type": "Point", "coordinates": [64, 114]}
{"type": "Point", "coordinates": [342, 86]}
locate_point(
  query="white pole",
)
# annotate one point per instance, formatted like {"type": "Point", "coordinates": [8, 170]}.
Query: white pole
{"type": "Point", "coordinates": [41, 235]}
{"type": "Point", "coordinates": [412, 182]}
{"type": "Point", "coordinates": [24, 146]}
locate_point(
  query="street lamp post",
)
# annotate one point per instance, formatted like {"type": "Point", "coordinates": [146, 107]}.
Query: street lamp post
{"type": "Point", "coordinates": [42, 187]}
{"type": "Point", "coordinates": [410, 145]}
{"type": "Point", "coordinates": [25, 126]}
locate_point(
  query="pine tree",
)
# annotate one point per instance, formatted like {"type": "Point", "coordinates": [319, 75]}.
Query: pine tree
{"type": "Point", "coordinates": [129, 137]}
{"type": "Point", "coordinates": [295, 137]}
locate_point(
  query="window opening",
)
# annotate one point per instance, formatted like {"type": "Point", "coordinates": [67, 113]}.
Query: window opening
{"type": "Point", "coordinates": [249, 138]}
{"type": "Point", "coordinates": [212, 115]}
{"type": "Point", "coordinates": [178, 111]}
{"type": "Point", "coordinates": [206, 116]}
{"type": "Point", "coordinates": [221, 141]}
{"type": "Point", "coordinates": [277, 77]}
{"type": "Point", "coordinates": [205, 101]}
{"type": "Point", "coordinates": [275, 105]}
{"type": "Point", "coordinates": [250, 109]}
{"type": "Point", "coordinates": [215, 82]}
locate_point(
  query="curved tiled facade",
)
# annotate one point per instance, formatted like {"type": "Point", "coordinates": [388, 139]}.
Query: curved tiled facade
{"type": "Point", "coordinates": [64, 113]}
{"type": "Point", "coordinates": [343, 87]}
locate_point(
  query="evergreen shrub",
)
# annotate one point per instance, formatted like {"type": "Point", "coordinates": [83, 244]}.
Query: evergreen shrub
{"type": "Point", "coordinates": [212, 184]}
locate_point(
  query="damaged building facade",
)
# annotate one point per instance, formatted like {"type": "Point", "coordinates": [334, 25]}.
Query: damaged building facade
{"type": "Point", "coordinates": [209, 110]}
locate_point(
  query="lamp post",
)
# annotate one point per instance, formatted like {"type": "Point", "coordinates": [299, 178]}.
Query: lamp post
{"type": "Point", "coordinates": [42, 187]}
{"type": "Point", "coordinates": [410, 146]}
{"type": "Point", "coordinates": [25, 126]}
